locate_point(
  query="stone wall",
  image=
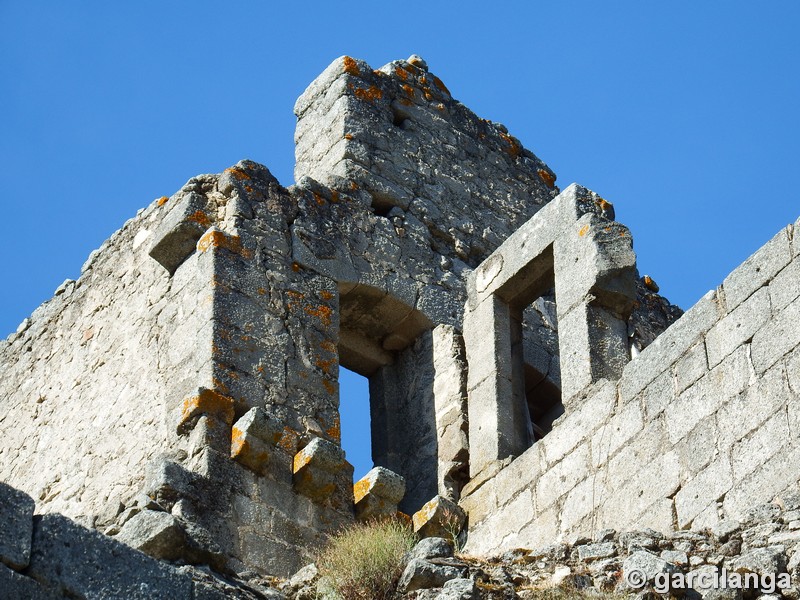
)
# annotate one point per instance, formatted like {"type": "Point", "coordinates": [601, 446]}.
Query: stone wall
{"type": "Point", "coordinates": [700, 426]}
{"type": "Point", "coordinates": [185, 388]}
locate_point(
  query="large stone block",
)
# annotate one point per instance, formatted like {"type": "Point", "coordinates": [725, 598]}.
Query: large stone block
{"type": "Point", "coordinates": [738, 326]}
{"type": "Point", "coordinates": [780, 335]}
{"type": "Point", "coordinates": [19, 587]}
{"type": "Point", "coordinates": [254, 438]}
{"type": "Point", "coordinates": [669, 346]}
{"type": "Point", "coordinates": [378, 493]}
{"type": "Point", "coordinates": [86, 564]}
{"type": "Point", "coordinates": [439, 518]}
{"type": "Point", "coordinates": [176, 236]}
{"type": "Point", "coordinates": [322, 474]}
{"type": "Point", "coordinates": [703, 490]}
{"type": "Point", "coordinates": [757, 270]}
{"type": "Point", "coordinates": [16, 527]}
{"type": "Point", "coordinates": [785, 287]}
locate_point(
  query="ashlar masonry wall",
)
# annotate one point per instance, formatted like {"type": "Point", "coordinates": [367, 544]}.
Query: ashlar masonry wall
{"type": "Point", "coordinates": [702, 425]}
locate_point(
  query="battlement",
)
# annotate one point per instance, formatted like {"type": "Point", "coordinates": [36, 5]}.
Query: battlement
{"type": "Point", "coordinates": [182, 395]}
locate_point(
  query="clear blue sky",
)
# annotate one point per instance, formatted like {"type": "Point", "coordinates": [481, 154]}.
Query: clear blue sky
{"type": "Point", "coordinates": [684, 114]}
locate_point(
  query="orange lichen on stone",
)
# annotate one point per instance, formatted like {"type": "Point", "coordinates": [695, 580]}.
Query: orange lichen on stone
{"type": "Point", "coordinates": [335, 430]}
{"type": "Point", "coordinates": [295, 267]}
{"type": "Point", "coordinates": [401, 73]}
{"type": "Point", "coordinates": [248, 189]}
{"type": "Point", "coordinates": [514, 148]}
{"type": "Point", "coordinates": [329, 387]}
{"type": "Point", "coordinates": [351, 67]}
{"type": "Point", "coordinates": [326, 365]}
{"type": "Point", "coordinates": [438, 83]}
{"type": "Point", "coordinates": [288, 440]}
{"type": "Point", "coordinates": [322, 312]}
{"type": "Point", "coordinates": [319, 199]}
{"type": "Point", "coordinates": [237, 173]}
{"type": "Point", "coordinates": [360, 489]}
{"type": "Point", "coordinates": [328, 346]}
{"type": "Point", "coordinates": [353, 186]}
{"type": "Point", "coordinates": [162, 201]}
{"type": "Point", "coordinates": [408, 90]}
{"type": "Point", "coordinates": [200, 218]}
{"type": "Point", "coordinates": [348, 136]}
{"type": "Point", "coordinates": [334, 196]}
{"type": "Point", "coordinates": [261, 291]}
{"type": "Point", "coordinates": [406, 102]}
{"type": "Point", "coordinates": [208, 402]}
{"type": "Point", "coordinates": [215, 238]}
{"type": "Point", "coordinates": [326, 295]}
{"type": "Point", "coordinates": [583, 230]}
{"type": "Point", "coordinates": [369, 94]}
{"type": "Point", "coordinates": [428, 95]}
{"type": "Point", "coordinates": [548, 178]}
{"type": "Point", "coordinates": [650, 284]}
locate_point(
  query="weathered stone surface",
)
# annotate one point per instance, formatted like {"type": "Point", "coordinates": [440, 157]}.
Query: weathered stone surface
{"type": "Point", "coordinates": [439, 518]}
{"type": "Point", "coordinates": [378, 493]}
{"type": "Point", "coordinates": [16, 527]}
{"type": "Point", "coordinates": [13, 586]}
{"type": "Point", "coordinates": [763, 561]}
{"type": "Point", "coordinates": [253, 439]}
{"type": "Point", "coordinates": [176, 236]}
{"type": "Point", "coordinates": [85, 563]}
{"type": "Point", "coordinates": [431, 547]}
{"type": "Point", "coordinates": [422, 574]}
{"type": "Point", "coordinates": [459, 589]}
{"type": "Point", "coordinates": [757, 270]}
{"type": "Point", "coordinates": [648, 565]}
{"type": "Point", "coordinates": [158, 534]}
{"type": "Point", "coordinates": [592, 552]}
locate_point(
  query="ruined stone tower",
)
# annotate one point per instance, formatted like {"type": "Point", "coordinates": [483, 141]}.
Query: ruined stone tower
{"type": "Point", "coordinates": [182, 394]}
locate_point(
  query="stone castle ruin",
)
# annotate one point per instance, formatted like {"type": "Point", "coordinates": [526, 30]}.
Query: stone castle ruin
{"type": "Point", "coordinates": [181, 397]}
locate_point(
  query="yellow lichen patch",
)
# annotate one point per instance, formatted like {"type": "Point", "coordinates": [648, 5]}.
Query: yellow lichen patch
{"type": "Point", "coordinates": [237, 173]}
{"type": "Point", "coordinates": [513, 146]}
{"type": "Point", "coordinates": [200, 218]}
{"type": "Point", "coordinates": [369, 94]}
{"type": "Point", "coordinates": [301, 459]}
{"type": "Point", "coordinates": [207, 402]}
{"type": "Point", "coordinates": [329, 387]}
{"type": "Point", "coordinates": [440, 106]}
{"type": "Point", "coordinates": [438, 83]}
{"type": "Point", "coordinates": [428, 95]}
{"type": "Point", "coordinates": [261, 291]}
{"type": "Point", "coordinates": [548, 178]}
{"type": "Point", "coordinates": [351, 67]}
{"type": "Point", "coordinates": [238, 442]}
{"type": "Point", "coordinates": [424, 514]}
{"type": "Point", "coordinates": [326, 295]}
{"type": "Point", "coordinates": [583, 230]}
{"type": "Point", "coordinates": [360, 489]}
{"type": "Point", "coordinates": [248, 189]}
{"type": "Point", "coordinates": [348, 136]}
{"type": "Point", "coordinates": [215, 238]}
{"type": "Point", "coordinates": [162, 201]}
{"type": "Point", "coordinates": [401, 73]}
{"type": "Point", "coordinates": [408, 90]}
